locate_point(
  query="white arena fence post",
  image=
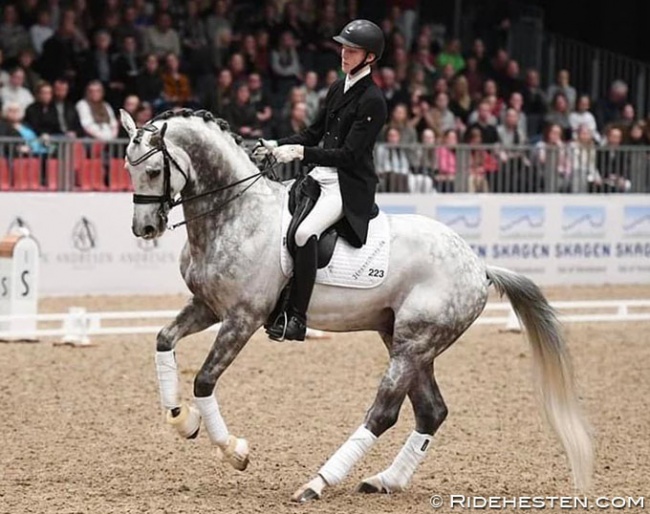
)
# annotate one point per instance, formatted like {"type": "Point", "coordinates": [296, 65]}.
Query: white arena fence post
{"type": "Point", "coordinates": [19, 268]}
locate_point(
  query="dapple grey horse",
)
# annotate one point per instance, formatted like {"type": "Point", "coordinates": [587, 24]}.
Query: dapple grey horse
{"type": "Point", "coordinates": [434, 291]}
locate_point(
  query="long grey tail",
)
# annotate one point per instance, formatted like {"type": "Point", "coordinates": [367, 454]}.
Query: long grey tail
{"type": "Point", "coordinates": [553, 369]}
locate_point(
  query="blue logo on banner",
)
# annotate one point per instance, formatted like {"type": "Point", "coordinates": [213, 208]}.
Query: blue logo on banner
{"type": "Point", "coordinates": [466, 220]}
{"type": "Point", "coordinates": [522, 221]}
{"type": "Point", "coordinates": [399, 209]}
{"type": "Point", "coordinates": [583, 221]}
{"type": "Point", "coordinates": [636, 220]}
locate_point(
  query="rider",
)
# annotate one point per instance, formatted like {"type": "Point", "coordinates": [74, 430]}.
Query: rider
{"type": "Point", "coordinates": [349, 122]}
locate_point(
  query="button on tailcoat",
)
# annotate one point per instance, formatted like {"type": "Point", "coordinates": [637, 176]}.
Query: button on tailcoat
{"type": "Point", "coordinates": [348, 125]}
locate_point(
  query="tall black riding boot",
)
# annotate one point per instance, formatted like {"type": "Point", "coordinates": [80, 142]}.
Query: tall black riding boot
{"type": "Point", "coordinates": [305, 267]}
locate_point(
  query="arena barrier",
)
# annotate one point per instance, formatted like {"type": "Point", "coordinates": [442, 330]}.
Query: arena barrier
{"type": "Point", "coordinates": [78, 325]}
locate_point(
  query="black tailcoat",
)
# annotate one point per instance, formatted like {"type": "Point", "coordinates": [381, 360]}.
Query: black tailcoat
{"type": "Point", "coordinates": [348, 124]}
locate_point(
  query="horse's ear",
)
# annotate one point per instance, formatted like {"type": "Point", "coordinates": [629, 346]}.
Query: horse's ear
{"type": "Point", "coordinates": [163, 130]}
{"type": "Point", "coordinates": [128, 123]}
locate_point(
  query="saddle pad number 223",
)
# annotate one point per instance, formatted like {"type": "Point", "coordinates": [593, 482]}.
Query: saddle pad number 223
{"type": "Point", "coordinates": [362, 268]}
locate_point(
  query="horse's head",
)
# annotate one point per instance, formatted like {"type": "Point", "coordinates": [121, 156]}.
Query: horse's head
{"type": "Point", "coordinates": [159, 171]}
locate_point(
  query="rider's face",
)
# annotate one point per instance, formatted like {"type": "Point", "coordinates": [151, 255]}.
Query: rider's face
{"type": "Point", "coordinates": [351, 57]}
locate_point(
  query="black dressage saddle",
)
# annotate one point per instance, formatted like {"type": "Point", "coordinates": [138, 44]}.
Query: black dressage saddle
{"type": "Point", "coordinates": [303, 195]}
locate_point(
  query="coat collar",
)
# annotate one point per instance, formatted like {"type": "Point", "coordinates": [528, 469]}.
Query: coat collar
{"type": "Point", "coordinates": [341, 100]}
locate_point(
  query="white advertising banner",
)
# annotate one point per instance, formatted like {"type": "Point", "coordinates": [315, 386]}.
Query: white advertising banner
{"type": "Point", "coordinates": [87, 246]}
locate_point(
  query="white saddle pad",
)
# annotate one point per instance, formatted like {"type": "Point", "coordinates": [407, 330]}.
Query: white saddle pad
{"type": "Point", "coordinates": [361, 268]}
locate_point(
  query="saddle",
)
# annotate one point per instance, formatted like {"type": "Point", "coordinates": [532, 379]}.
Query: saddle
{"type": "Point", "coordinates": [303, 195]}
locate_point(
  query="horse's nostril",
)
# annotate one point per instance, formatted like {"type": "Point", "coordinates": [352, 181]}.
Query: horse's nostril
{"type": "Point", "coordinates": [149, 230]}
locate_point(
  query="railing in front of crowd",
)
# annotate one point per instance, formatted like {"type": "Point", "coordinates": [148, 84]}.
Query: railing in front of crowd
{"type": "Point", "coordinates": [86, 165]}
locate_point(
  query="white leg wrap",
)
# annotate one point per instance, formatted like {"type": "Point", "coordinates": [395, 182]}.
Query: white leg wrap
{"type": "Point", "coordinates": [399, 474]}
{"type": "Point", "coordinates": [340, 464]}
{"type": "Point", "coordinates": [214, 423]}
{"type": "Point", "coordinates": [167, 371]}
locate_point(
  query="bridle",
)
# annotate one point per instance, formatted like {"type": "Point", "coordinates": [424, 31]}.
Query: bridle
{"type": "Point", "coordinates": [165, 200]}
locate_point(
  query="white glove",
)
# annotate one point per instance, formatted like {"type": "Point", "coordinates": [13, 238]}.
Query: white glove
{"type": "Point", "coordinates": [288, 153]}
{"type": "Point", "coordinates": [263, 148]}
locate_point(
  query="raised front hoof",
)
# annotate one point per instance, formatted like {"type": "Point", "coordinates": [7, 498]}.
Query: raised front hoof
{"type": "Point", "coordinates": [371, 486]}
{"type": "Point", "coordinates": [235, 452]}
{"type": "Point", "coordinates": [305, 495]}
{"type": "Point", "coordinates": [187, 422]}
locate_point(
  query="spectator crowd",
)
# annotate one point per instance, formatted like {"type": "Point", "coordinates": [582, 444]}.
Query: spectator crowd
{"type": "Point", "coordinates": [67, 67]}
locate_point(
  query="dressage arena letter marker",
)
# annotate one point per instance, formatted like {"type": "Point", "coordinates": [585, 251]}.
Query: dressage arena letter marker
{"type": "Point", "coordinates": [19, 260]}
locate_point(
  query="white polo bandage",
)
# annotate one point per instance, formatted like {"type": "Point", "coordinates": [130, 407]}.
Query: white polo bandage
{"type": "Point", "coordinates": [340, 464]}
{"type": "Point", "coordinates": [167, 371]}
{"type": "Point", "coordinates": [399, 474]}
{"type": "Point", "coordinates": [214, 423]}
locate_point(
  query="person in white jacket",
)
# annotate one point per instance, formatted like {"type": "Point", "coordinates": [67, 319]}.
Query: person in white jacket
{"type": "Point", "coordinates": [95, 115]}
{"type": "Point", "coordinates": [583, 117]}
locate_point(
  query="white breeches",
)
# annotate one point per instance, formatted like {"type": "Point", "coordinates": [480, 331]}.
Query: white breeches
{"type": "Point", "coordinates": [328, 209]}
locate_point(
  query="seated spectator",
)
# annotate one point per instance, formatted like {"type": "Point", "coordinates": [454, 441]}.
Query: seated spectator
{"type": "Point", "coordinates": [583, 117]}
{"type": "Point", "coordinates": [608, 110]}
{"type": "Point", "coordinates": [613, 163]}
{"type": "Point", "coordinates": [285, 64]}
{"type": "Point", "coordinates": [452, 55]}
{"type": "Point", "coordinates": [42, 115]}
{"type": "Point", "coordinates": [512, 83]}
{"type": "Point", "coordinates": [553, 160]}
{"type": "Point", "coordinates": [296, 122]}
{"type": "Point", "coordinates": [628, 116]}
{"type": "Point", "coordinates": [131, 105]}
{"type": "Point", "coordinates": [461, 103]}
{"type": "Point", "coordinates": [237, 67]}
{"type": "Point", "coordinates": [261, 102]}
{"type": "Point", "coordinates": [491, 90]}
{"type": "Point", "coordinates": [479, 54]}
{"type": "Point", "coordinates": [15, 92]}
{"type": "Point", "coordinates": [534, 102]}
{"type": "Point", "coordinates": [144, 114]}
{"type": "Point", "coordinates": [13, 35]}
{"type": "Point", "coordinates": [149, 84]}
{"type": "Point", "coordinates": [126, 67]}
{"type": "Point", "coordinates": [444, 118]}
{"type": "Point", "coordinates": [445, 165]}
{"type": "Point", "coordinates": [195, 40]}
{"type": "Point", "coordinates": [425, 161]}
{"type": "Point", "coordinates": [296, 94]}
{"type": "Point", "coordinates": [241, 114]}
{"type": "Point", "coordinates": [474, 78]}
{"type": "Point", "coordinates": [162, 39]}
{"type": "Point", "coordinates": [129, 29]}
{"type": "Point", "coordinates": [513, 163]}
{"type": "Point", "coordinates": [486, 122]}
{"type": "Point", "coordinates": [41, 31]}
{"type": "Point", "coordinates": [559, 115]}
{"type": "Point", "coordinates": [98, 65]}
{"type": "Point", "coordinates": [393, 164]}
{"type": "Point", "coordinates": [584, 171]}
{"type": "Point", "coordinates": [26, 62]}
{"type": "Point", "coordinates": [563, 86]}
{"type": "Point", "coordinates": [177, 91]}
{"type": "Point", "coordinates": [477, 181]}
{"type": "Point", "coordinates": [218, 21]}
{"type": "Point", "coordinates": [61, 55]}
{"type": "Point", "coordinates": [13, 115]}
{"type": "Point", "coordinates": [516, 102]}
{"type": "Point", "coordinates": [393, 92]}
{"type": "Point", "coordinates": [330, 77]}
{"type": "Point", "coordinates": [417, 80]}
{"type": "Point", "coordinates": [65, 109]}
{"type": "Point", "coordinates": [312, 98]}
{"type": "Point", "coordinates": [636, 135]}
{"type": "Point", "coordinates": [95, 115]}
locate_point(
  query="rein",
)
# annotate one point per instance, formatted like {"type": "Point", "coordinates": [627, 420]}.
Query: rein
{"type": "Point", "coordinates": [166, 198]}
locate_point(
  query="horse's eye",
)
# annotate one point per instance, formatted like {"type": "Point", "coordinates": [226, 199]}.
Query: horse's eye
{"type": "Point", "coordinates": [153, 173]}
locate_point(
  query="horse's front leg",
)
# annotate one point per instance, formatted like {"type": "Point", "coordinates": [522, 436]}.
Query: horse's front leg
{"type": "Point", "coordinates": [234, 334]}
{"type": "Point", "coordinates": [193, 318]}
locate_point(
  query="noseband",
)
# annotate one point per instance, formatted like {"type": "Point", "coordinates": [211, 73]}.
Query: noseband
{"type": "Point", "coordinates": [165, 200]}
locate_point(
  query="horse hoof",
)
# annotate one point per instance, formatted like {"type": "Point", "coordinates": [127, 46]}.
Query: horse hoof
{"type": "Point", "coordinates": [305, 495]}
{"type": "Point", "coordinates": [371, 486]}
{"type": "Point", "coordinates": [187, 423]}
{"type": "Point", "coordinates": [235, 452]}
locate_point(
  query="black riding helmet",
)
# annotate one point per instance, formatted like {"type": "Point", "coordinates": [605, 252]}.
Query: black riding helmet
{"type": "Point", "coordinates": [362, 34]}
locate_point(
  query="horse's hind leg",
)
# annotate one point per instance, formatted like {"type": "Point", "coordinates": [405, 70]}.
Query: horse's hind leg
{"type": "Point", "coordinates": [430, 412]}
{"type": "Point", "coordinates": [381, 416]}
{"type": "Point", "coordinates": [193, 318]}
